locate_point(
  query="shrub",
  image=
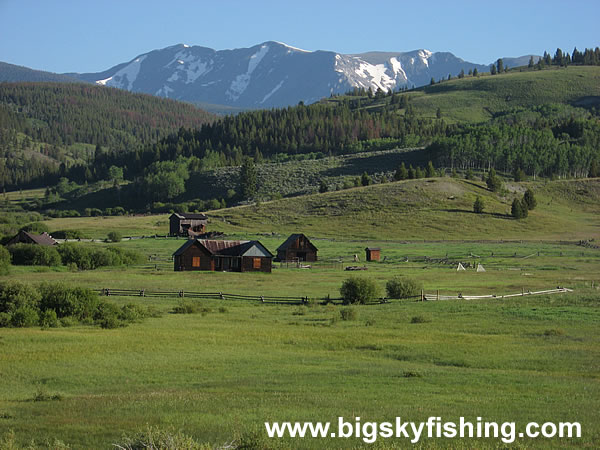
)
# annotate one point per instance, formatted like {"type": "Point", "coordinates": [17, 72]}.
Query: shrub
{"type": "Point", "coordinates": [36, 228]}
{"type": "Point", "coordinates": [186, 307]}
{"type": "Point", "coordinates": [359, 290]}
{"type": "Point", "coordinates": [419, 319]}
{"type": "Point", "coordinates": [48, 319]}
{"type": "Point", "coordinates": [348, 314]}
{"type": "Point", "coordinates": [127, 257]}
{"type": "Point", "coordinates": [66, 300]}
{"type": "Point", "coordinates": [4, 320]}
{"type": "Point", "coordinates": [107, 315]}
{"type": "Point", "coordinates": [34, 255]}
{"type": "Point", "coordinates": [402, 288]}
{"type": "Point", "coordinates": [68, 321]}
{"type": "Point", "coordinates": [4, 261]}
{"type": "Point", "coordinates": [69, 234]}
{"type": "Point", "coordinates": [14, 295]}
{"type": "Point", "coordinates": [155, 438]}
{"type": "Point", "coordinates": [114, 236]}
{"type": "Point", "coordinates": [24, 316]}
{"type": "Point", "coordinates": [132, 313]}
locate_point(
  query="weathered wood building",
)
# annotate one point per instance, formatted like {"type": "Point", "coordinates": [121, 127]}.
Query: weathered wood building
{"type": "Point", "coordinates": [297, 246]}
{"type": "Point", "coordinates": [187, 224]}
{"type": "Point", "coordinates": [228, 256]}
{"type": "Point", "coordinates": [373, 253]}
{"type": "Point", "coordinates": [24, 237]}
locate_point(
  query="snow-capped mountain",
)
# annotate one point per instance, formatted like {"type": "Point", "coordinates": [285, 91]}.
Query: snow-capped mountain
{"type": "Point", "coordinates": [272, 73]}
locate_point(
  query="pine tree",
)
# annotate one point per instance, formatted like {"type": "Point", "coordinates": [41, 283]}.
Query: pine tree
{"type": "Point", "coordinates": [516, 209]}
{"type": "Point", "coordinates": [500, 65]}
{"type": "Point", "coordinates": [478, 205]}
{"type": "Point", "coordinates": [430, 172]}
{"type": "Point", "coordinates": [401, 173]}
{"type": "Point", "coordinates": [248, 179]}
{"type": "Point", "coordinates": [493, 69]}
{"type": "Point", "coordinates": [531, 62]}
{"type": "Point", "coordinates": [493, 181]}
{"type": "Point", "coordinates": [529, 199]}
{"type": "Point", "coordinates": [323, 187]}
{"type": "Point", "coordinates": [475, 72]}
{"type": "Point", "coordinates": [365, 179]}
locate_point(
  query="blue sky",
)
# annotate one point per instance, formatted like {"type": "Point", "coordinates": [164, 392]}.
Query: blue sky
{"type": "Point", "coordinates": [84, 36]}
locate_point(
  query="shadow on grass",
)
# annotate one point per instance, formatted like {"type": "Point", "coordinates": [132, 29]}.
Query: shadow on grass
{"type": "Point", "coordinates": [468, 211]}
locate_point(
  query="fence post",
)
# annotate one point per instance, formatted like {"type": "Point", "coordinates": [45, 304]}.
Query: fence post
{"type": "Point", "coordinates": [438, 294]}
{"type": "Point", "coordinates": [422, 296]}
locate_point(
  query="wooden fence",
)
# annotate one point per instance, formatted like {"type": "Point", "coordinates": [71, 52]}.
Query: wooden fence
{"type": "Point", "coordinates": [223, 296]}
{"type": "Point", "coordinates": [437, 296]}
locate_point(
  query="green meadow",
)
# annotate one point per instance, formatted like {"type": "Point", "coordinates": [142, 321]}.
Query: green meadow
{"type": "Point", "coordinates": [219, 374]}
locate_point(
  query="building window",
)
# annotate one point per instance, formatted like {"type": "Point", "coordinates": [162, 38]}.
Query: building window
{"type": "Point", "coordinates": [195, 261]}
{"type": "Point", "coordinates": [256, 263]}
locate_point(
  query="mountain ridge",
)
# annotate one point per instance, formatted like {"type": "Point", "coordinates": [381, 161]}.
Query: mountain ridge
{"type": "Point", "coordinates": [271, 74]}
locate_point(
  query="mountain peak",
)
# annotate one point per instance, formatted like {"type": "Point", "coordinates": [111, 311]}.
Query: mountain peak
{"type": "Point", "coordinates": [273, 73]}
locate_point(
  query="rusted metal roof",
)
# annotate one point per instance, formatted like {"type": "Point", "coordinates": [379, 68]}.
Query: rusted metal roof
{"type": "Point", "coordinates": [223, 248]}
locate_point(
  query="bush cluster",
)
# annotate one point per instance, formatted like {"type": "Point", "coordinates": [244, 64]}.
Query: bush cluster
{"type": "Point", "coordinates": [34, 255]}
{"type": "Point", "coordinates": [359, 290]}
{"type": "Point", "coordinates": [56, 304]}
{"type": "Point", "coordinates": [402, 288]}
{"type": "Point", "coordinates": [86, 258]}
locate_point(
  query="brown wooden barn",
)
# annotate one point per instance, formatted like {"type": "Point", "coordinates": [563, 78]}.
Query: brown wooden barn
{"type": "Point", "coordinates": [25, 237]}
{"type": "Point", "coordinates": [297, 246]}
{"type": "Point", "coordinates": [373, 253]}
{"type": "Point", "coordinates": [228, 256]}
{"type": "Point", "coordinates": [187, 224]}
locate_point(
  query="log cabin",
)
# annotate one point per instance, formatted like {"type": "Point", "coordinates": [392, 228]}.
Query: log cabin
{"type": "Point", "coordinates": [297, 246]}
{"type": "Point", "coordinates": [187, 224]}
{"type": "Point", "coordinates": [226, 256]}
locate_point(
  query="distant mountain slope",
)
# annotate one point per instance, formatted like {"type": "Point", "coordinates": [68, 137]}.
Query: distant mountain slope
{"type": "Point", "coordinates": [272, 73]}
{"type": "Point", "coordinates": [13, 73]}
{"type": "Point", "coordinates": [58, 113]}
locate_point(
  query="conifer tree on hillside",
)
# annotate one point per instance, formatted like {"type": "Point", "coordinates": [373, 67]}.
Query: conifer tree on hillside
{"type": "Point", "coordinates": [248, 179]}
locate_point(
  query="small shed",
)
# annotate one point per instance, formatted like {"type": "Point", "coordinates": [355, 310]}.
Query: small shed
{"type": "Point", "coordinates": [24, 237]}
{"type": "Point", "coordinates": [297, 246]}
{"type": "Point", "coordinates": [187, 224]}
{"type": "Point", "coordinates": [373, 253]}
{"type": "Point", "coordinates": [227, 256]}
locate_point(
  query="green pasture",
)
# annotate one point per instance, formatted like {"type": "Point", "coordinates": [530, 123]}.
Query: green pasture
{"type": "Point", "coordinates": [220, 374]}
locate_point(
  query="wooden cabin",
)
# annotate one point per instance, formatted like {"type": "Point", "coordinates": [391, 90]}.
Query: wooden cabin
{"type": "Point", "coordinates": [297, 246]}
{"type": "Point", "coordinates": [373, 253]}
{"type": "Point", "coordinates": [24, 237]}
{"type": "Point", "coordinates": [187, 224]}
{"type": "Point", "coordinates": [227, 256]}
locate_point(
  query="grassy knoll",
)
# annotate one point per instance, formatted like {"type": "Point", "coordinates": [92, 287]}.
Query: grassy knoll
{"type": "Point", "coordinates": [413, 209]}
{"type": "Point", "coordinates": [477, 99]}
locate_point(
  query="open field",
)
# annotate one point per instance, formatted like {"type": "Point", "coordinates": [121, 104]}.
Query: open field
{"type": "Point", "coordinates": [220, 374]}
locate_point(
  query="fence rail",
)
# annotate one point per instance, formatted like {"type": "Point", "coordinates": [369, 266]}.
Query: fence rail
{"type": "Point", "coordinates": [204, 295]}
{"type": "Point", "coordinates": [437, 296]}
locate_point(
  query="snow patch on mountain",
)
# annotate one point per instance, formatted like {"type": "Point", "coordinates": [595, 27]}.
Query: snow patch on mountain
{"type": "Point", "coordinates": [125, 77]}
{"type": "Point", "coordinates": [291, 48]}
{"type": "Point", "coordinates": [239, 85]}
{"type": "Point", "coordinates": [187, 67]}
{"type": "Point", "coordinates": [275, 89]}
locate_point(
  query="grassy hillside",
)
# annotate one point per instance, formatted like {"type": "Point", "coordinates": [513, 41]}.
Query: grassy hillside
{"type": "Point", "coordinates": [438, 208]}
{"type": "Point", "coordinates": [477, 99]}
